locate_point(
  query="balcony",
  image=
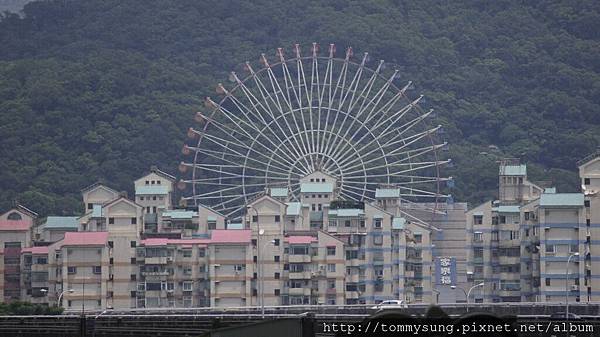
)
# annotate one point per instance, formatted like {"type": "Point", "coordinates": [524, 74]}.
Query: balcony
{"type": "Point", "coordinates": [299, 258]}
{"type": "Point", "coordinates": [156, 273]}
{"type": "Point", "coordinates": [300, 275]}
{"type": "Point", "coordinates": [159, 260]}
{"type": "Point", "coordinates": [299, 291]}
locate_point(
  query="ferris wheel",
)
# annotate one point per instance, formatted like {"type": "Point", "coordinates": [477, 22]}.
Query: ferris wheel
{"type": "Point", "coordinates": [291, 116]}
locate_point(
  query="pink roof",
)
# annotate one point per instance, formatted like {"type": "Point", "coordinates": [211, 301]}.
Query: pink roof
{"type": "Point", "coordinates": [85, 238]}
{"type": "Point", "coordinates": [231, 236]}
{"type": "Point", "coordinates": [35, 250]}
{"type": "Point", "coordinates": [15, 225]}
{"type": "Point", "coordinates": [300, 239]}
{"type": "Point", "coordinates": [164, 242]}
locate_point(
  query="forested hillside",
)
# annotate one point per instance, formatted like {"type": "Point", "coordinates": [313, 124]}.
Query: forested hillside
{"type": "Point", "coordinates": [102, 89]}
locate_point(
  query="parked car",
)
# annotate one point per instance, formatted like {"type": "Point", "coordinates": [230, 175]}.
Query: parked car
{"type": "Point", "coordinates": [391, 304]}
{"type": "Point", "coordinates": [563, 316]}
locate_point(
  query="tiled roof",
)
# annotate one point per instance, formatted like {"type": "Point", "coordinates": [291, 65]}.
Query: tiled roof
{"type": "Point", "coordinates": [85, 239]}
{"type": "Point", "coordinates": [35, 250]}
{"type": "Point", "coordinates": [150, 190]}
{"type": "Point", "coordinates": [561, 200]}
{"type": "Point", "coordinates": [300, 239]}
{"type": "Point", "coordinates": [14, 225]}
{"type": "Point", "coordinates": [316, 188]}
{"type": "Point", "coordinates": [231, 236]}
{"type": "Point", "coordinates": [70, 222]}
{"type": "Point", "coordinates": [387, 193]}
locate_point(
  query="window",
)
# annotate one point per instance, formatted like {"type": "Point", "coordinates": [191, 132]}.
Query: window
{"type": "Point", "coordinates": [276, 292]}
{"type": "Point", "coordinates": [255, 218]}
{"type": "Point", "coordinates": [418, 238]}
{"type": "Point", "coordinates": [212, 224]}
{"type": "Point", "coordinates": [201, 252]}
{"type": "Point", "coordinates": [187, 270]}
{"type": "Point", "coordinates": [111, 221]}
{"type": "Point", "coordinates": [586, 181]}
{"type": "Point", "coordinates": [111, 260]}
{"type": "Point", "coordinates": [254, 259]}
{"type": "Point", "coordinates": [133, 294]}
{"type": "Point", "coordinates": [90, 205]}
{"type": "Point", "coordinates": [277, 275]}
{"type": "Point", "coordinates": [133, 244]}
{"type": "Point", "coordinates": [574, 248]}
{"type": "Point", "coordinates": [153, 182]}
{"type": "Point", "coordinates": [276, 258]}
{"type": "Point", "coordinates": [147, 182]}
{"type": "Point", "coordinates": [526, 215]}
{"type": "Point", "coordinates": [550, 248]}
{"type": "Point", "coordinates": [187, 286]}
{"type": "Point", "coordinates": [547, 282]}
{"type": "Point", "coordinates": [238, 267]}
{"type": "Point", "coordinates": [276, 242]}
{"type": "Point", "coordinates": [478, 219]}
{"type": "Point", "coordinates": [331, 284]}
{"type": "Point", "coordinates": [313, 196]}
{"type": "Point", "coordinates": [362, 223]}
{"type": "Point", "coordinates": [134, 221]}
{"type": "Point", "coordinates": [142, 198]}
{"type": "Point", "coordinates": [332, 223]}
{"type": "Point", "coordinates": [478, 253]}
{"type": "Point", "coordinates": [187, 253]}
{"type": "Point", "coordinates": [377, 223]}
{"type": "Point", "coordinates": [133, 277]}
{"type": "Point", "coordinates": [331, 267]}
{"type": "Point", "coordinates": [378, 240]}
{"type": "Point", "coordinates": [586, 203]}
{"type": "Point", "coordinates": [286, 267]}
{"type": "Point", "coordinates": [478, 237]}
{"type": "Point", "coordinates": [313, 207]}
{"type": "Point", "coordinates": [133, 260]}
{"type": "Point", "coordinates": [277, 218]}
{"type": "Point", "coordinates": [347, 223]}
{"type": "Point", "coordinates": [330, 251]}
{"type": "Point", "coordinates": [111, 244]}
{"type": "Point", "coordinates": [72, 270]}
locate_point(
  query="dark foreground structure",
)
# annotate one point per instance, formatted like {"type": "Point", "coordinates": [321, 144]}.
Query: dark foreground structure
{"type": "Point", "coordinates": [451, 320]}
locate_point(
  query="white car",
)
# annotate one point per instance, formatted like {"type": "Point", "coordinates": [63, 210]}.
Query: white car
{"type": "Point", "coordinates": [391, 304]}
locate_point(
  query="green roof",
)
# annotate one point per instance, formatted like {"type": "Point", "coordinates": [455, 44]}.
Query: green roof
{"type": "Point", "coordinates": [235, 226]}
{"type": "Point", "coordinates": [60, 222]}
{"type": "Point", "coordinates": [148, 190]}
{"type": "Point", "coordinates": [398, 223]}
{"type": "Point", "coordinates": [293, 208]}
{"type": "Point", "coordinates": [279, 192]}
{"type": "Point", "coordinates": [211, 218]}
{"type": "Point", "coordinates": [97, 211]}
{"type": "Point", "coordinates": [346, 212]}
{"type": "Point", "coordinates": [550, 190]}
{"type": "Point", "coordinates": [316, 188]}
{"type": "Point", "coordinates": [561, 200]}
{"type": "Point", "coordinates": [387, 193]}
{"type": "Point", "coordinates": [513, 170]}
{"type": "Point", "coordinates": [179, 214]}
{"type": "Point", "coordinates": [508, 209]}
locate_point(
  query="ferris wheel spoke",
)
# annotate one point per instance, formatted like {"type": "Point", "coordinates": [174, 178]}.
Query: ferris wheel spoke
{"type": "Point", "coordinates": [266, 98]}
{"type": "Point", "coordinates": [404, 156]}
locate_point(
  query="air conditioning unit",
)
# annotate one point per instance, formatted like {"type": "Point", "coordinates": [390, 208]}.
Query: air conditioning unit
{"type": "Point", "coordinates": [169, 259]}
{"type": "Point", "coordinates": [575, 287]}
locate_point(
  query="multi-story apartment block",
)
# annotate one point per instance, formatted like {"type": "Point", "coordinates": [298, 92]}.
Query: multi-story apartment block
{"type": "Point", "coordinates": [122, 253]}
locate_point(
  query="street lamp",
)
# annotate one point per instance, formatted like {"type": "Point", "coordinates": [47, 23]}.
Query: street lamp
{"type": "Point", "coordinates": [473, 287]}
{"type": "Point", "coordinates": [567, 284]}
{"type": "Point", "coordinates": [70, 291]}
{"type": "Point", "coordinates": [464, 292]}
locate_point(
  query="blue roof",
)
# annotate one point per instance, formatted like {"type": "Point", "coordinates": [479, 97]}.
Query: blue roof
{"type": "Point", "coordinates": [179, 214]}
{"type": "Point", "coordinates": [316, 188]}
{"type": "Point", "coordinates": [387, 193]}
{"type": "Point", "coordinates": [279, 192]}
{"type": "Point", "coordinates": [561, 200]}
{"type": "Point", "coordinates": [398, 223]}
{"type": "Point", "coordinates": [56, 222]}
{"type": "Point", "coordinates": [346, 212]}
{"type": "Point", "coordinates": [513, 170]}
{"type": "Point", "coordinates": [293, 208]}
{"type": "Point", "coordinates": [156, 190]}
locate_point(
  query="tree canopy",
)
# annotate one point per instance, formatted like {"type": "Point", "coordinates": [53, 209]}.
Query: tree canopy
{"type": "Point", "coordinates": [102, 89]}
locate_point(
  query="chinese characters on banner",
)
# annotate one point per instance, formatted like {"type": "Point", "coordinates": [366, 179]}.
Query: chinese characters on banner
{"type": "Point", "coordinates": [445, 270]}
